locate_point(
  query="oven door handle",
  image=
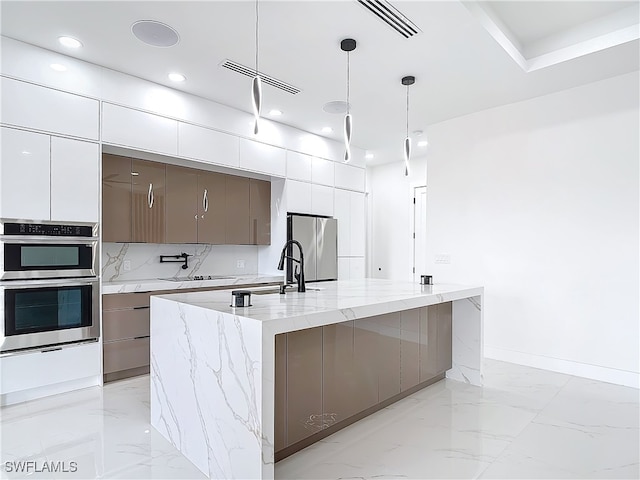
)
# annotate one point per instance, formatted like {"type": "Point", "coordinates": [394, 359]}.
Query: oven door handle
{"type": "Point", "coordinates": [53, 282]}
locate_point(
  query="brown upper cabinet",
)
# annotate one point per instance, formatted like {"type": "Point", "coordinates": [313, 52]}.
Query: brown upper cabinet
{"type": "Point", "coordinates": [153, 202]}
{"type": "Point", "coordinates": [237, 211]}
{"type": "Point", "coordinates": [182, 205]}
{"type": "Point", "coordinates": [148, 201]}
{"type": "Point", "coordinates": [260, 204]}
{"type": "Point", "coordinates": [116, 199]}
{"type": "Point", "coordinates": [212, 194]}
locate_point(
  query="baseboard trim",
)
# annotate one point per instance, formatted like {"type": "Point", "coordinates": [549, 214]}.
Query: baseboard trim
{"type": "Point", "coordinates": [12, 398]}
{"type": "Point", "coordinates": [595, 372]}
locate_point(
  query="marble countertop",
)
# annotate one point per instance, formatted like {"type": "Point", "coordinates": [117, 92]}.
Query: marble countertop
{"type": "Point", "coordinates": [328, 302]}
{"type": "Point", "coordinates": [156, 284]}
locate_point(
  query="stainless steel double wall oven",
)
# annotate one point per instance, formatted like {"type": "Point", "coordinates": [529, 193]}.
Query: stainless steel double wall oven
{"type": "Point", "coordinates": [49, 284]}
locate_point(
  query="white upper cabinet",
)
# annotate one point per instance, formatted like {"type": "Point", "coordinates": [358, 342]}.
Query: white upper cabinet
{"type": "Point", "coordinates": [298, 166]}
{"type": "Point", "coordinates": [298, 197]}
{"type": "Point", "coordinates": [208, 145]}
{"type": "Point", "coordinates": [260, 157]}
{"type": "Point", "coordinates": [322, 200]}
{"type": "Point", "coordinates": [40, 108]}
{"type": "Point", "coordinates": [48, 178]}
{"type": "Point", "coordinates": [357, 224]}
{"type": "Point", "coordinates": [349, 177]}
{"type": "Point", "coordinates": [141, 130]}
{"type": "Point", "coordinates": [24, 175]}
{"type": "Point", "coordinates": [342, 212]}
{"type": "Point", "coordinates": [323, 171]}
{"type": "Point", "coordinates": [350, 212]}
{"type": "Point", "coordinates": [75, 180]}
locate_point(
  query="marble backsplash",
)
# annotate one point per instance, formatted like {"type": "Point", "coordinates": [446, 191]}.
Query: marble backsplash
{"type": "Point", "coordinates": [141, 261]}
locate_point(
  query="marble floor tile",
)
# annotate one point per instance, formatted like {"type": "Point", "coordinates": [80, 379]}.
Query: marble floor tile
{"type": "Point", "coordinates": [524, 423]}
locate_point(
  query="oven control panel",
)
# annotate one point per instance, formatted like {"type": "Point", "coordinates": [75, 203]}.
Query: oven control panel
{"type": "Point", "coordinates": [50, 230]}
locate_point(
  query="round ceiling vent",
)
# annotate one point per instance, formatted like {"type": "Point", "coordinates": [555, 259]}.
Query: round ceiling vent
{"type": "Point", "coordinates": [155, 33]}
{"type": "Point", "coordinates": [335, 107]}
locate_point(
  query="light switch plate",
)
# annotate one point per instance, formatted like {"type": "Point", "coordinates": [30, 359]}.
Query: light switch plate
{"type": "Point", "coordinates": [240, 264]}
{"type": "Point", "coordinates": [126, 265]}
{"type": "Point", "coordinates": [443, 258]}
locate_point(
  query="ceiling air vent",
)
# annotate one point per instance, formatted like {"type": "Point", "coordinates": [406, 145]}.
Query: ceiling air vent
{"type": "Point", "coordinates": [251, 72]}
{"type": "Point", "coordinates": [391, 16]}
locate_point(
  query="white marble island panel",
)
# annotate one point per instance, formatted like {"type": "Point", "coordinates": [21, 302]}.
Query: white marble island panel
{"type": "Point", "coordinates": [212, 366]}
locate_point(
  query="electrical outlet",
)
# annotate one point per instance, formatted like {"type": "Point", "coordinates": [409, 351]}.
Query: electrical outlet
{"type": "Point", "coordinates": [240, 264]}
{"type": "Point", "coordinates": [126, 265]}
{"type": "Point", "coordinates": [443, 258]}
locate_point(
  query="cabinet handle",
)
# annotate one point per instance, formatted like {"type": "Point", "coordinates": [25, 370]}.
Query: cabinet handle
{"type": "Point", "coordinates": [205, 201]}
{"type": "Point", "coordinates": [141, 308]}
{"type": "Point", "coordinates": [150, 195]}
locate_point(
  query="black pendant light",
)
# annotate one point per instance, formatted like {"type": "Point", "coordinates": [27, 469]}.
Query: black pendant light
{"type": "Point", "coordinates": [347, 45]}
{"type": "Point", "coordinates": [407, 81]}
{"type": "Point", "coordinates": [256, 85]}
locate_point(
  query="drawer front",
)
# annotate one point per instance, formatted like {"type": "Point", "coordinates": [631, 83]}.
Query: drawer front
{"type": "Point", "coordinates": [125, 300]}
{"type": "Point", "coordinates": [126, 354]}
{"type": "Point", "coordinates": [123, 324]}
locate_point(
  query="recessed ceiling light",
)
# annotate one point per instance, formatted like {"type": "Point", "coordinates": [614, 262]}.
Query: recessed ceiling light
{"type": "Point", "coordinates": [418, 133]}
{"type": "Point", "coordinates": [177, 77]}
{"type": "Point", "coordinates": [275, 112]}
{"type": "Point", "coordinates": [58, 67]}
{"type": "Point", "coordinates": [25, 152]}
{"type": "Point", "coordinates": [369, 156]}
{"type": "Point", "coordinates": [423, 143]}
{"type": "Point", "coordinates": [337, 107]}
{"type": "Point", "coordinates": [154, 33]}
{"type": "Point", "coordinates": [327, 129]}
{"type": "Point", "coordinates": [69, 42]}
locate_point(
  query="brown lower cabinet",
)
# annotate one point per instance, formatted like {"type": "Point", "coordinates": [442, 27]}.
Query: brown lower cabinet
{"type": "Point", "coordinates": [328, 377]}
{"type": "Point", "coordinates": [126, 331]}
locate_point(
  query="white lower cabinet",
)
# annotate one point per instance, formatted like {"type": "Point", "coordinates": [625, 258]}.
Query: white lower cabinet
{"type": "Point", "coordinates": [75, 180]}
{"type": "Point", "coordinates": [49, 372]}
{"type": "Point", "coordinates": [24, 175]}
{"type": "Point", "coordinates": [48, 178]}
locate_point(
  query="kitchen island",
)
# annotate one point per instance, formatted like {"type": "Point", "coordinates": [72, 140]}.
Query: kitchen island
{"type": "Point", "coordinates": [215, 390]}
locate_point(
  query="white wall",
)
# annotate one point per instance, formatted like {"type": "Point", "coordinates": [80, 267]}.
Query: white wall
{"type": "Point", "coordinates": [390, 219]}
{"type": "Point", "coordinates": [538, 202]}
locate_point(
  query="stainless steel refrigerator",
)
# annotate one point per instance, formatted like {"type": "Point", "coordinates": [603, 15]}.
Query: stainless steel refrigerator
{"type": "Point", "coordinates": [319, 239]}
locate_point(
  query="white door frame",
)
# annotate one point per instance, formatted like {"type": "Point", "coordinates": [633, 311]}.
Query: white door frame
{"type": "Point", "coordinates": [419, 194]}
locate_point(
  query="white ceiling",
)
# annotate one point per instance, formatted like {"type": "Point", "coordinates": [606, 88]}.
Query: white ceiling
{"type": "Point", "coordinates": [470, 55]}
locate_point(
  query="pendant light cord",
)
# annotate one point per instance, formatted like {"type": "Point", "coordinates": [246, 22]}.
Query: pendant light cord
{"type": "Point", "coordinates": [407, 110]}
{"type": "Point", "coordinates": [257, 23]}
{"type": "Point", "coordinates": [348, 82]}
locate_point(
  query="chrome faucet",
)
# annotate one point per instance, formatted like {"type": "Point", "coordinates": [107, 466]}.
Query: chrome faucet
{"type": "Point", "coordinates": [298, 276]}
